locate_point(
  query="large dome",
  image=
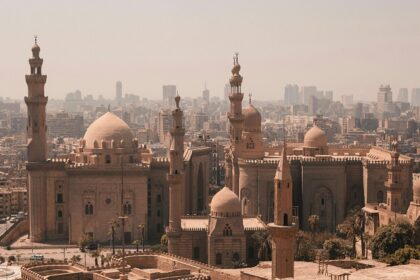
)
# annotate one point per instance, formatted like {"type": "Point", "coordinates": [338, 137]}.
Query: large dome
{"type": "Point", "coordinates": [252, 119]}
{"type": "Point", "coordinates": [108, 128]}
{"type": "Point", "coordinates": [315, 138]}
{"type": "Point", "coordinates": [225, 201]}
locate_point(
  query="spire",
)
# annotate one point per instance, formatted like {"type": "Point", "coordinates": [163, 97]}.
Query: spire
{"type": "Point", "coordinates": [177, 100]}
{"type": "Point", "coordinates": [283, 168]}
{"type": "Point", "coordinates": [250, 96]}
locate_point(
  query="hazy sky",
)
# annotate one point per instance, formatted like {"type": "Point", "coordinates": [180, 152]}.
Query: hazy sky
{"type": "Point", "coordinates": [350, 47]}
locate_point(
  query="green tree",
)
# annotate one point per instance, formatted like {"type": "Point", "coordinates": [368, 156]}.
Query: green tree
{"type": "Point", "coordinates": [305, 250]}
{"type": "Point", "coordinates": [335, 248]}
{"type": "Point", "coordinates": [75, 259]}
{"type": "Point", "coordinates": [403, 255]}
{"type": "Point", "coordinates": [353, 227]}
{"type": "Point", "coordinates": [95, 254]}
{"type": "Point", "coordinates": [84, 240]}
{"type": "Point", "coordinates": [390, 238]}
{"type": "Point", "coordinates": [262, 240]}
{"type": "Point", "coordinates": [417, 232]}
{"type": "Point", "coordinates": [164, 243]}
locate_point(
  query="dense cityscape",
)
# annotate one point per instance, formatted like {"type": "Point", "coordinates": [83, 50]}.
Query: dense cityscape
{"type": "Point", "coordinates": [219, 184]}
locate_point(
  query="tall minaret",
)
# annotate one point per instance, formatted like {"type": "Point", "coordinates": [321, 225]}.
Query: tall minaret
{"type": "Point", "coordinates": [175, 179]}
{"type": "Point", "coordinates": [283, 230]}
{"type": "Point", "coordinates": [236, 120]}
{"type": "Point", "coordinates": [394, 183]}
{"type": "Point", "coordinates": [36, 102]}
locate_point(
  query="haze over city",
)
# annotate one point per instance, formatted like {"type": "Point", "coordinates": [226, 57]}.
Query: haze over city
{"type": "Point", "coordinates": [349, 47]}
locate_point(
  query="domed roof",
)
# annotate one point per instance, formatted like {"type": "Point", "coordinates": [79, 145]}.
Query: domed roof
{"type": "Point", "coordinates": [416, 187]}
{"type": "Point", "coordinates": [225, 201]}
{"type": "Point", "coordinates": [252, 119]}
{"type": "Point", "coordinates": [315, 138]}
{"type": "Point", "coordinates": [108, 128]}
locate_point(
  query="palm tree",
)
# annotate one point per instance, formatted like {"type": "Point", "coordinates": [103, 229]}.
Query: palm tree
{"type": "Point", "coordinates": [263, 241]}
{"type": "Point", "coordinates": [113, 224]}
{"type": "Point", "coordinates": [137, 243]}
{"type": "Point", "coordinates": [313, 221]}
{"type": "Point", "coordinates": [352, 227]}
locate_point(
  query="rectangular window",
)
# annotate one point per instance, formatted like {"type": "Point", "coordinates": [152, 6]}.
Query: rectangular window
{"type": "Point", "coordinates": [59, 198]}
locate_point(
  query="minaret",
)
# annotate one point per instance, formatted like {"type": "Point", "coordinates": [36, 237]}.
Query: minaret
{"type": "Point", "coordinates": [175, 179]}
{"type": "Point", "coordinates": [394, 185]}
{"type": "Point", "coordinates": [236, 120]}
{"type": "Point", "coordinates": [36, 102]}
{"type": "Point", "coordinates": [283, 230]}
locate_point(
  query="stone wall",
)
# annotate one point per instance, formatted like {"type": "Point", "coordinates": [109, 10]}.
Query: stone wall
{"type": "Point", "coordinates": [14, 232]}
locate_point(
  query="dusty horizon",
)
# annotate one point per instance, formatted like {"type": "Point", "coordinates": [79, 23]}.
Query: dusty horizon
{"type": "Point", "coordinates": [350, 48]}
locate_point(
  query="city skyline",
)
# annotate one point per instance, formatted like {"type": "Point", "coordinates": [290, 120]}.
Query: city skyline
{"type": "Point", "coordinates": [348, 48]}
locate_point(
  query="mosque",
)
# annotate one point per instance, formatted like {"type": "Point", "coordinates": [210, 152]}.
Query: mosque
{"type": "Point", "coordinates": [328, 181]}
{"type": "Point", "coordinates": [108, 176]}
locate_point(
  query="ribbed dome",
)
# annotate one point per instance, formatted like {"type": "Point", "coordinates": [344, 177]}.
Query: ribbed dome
{"type": "Point", "coordinates": [108, 128]}
{"type": "Point", "coordinates": [416, 187]}
{"type": "Point", "coordinates": [225, 201]}
{"type": "Point", "coordinates": [252, 119]}
{"type": "Point", "coordinates": [315, 138]}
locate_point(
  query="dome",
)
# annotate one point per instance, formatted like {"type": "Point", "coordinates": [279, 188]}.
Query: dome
{"type": "Point", "coordinates": [315, 138]}
{"type": "Point", "coordinates": [225, 201]}
{"type": "Point", "coordinates": [109, 129]}
{"type": "Point", "coordinates": [252, 119]}
{"type": "Point", "coordinates": [416, 187]}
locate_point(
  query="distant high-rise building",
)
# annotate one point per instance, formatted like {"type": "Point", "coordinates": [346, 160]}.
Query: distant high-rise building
{"type": "Point", "coordinates": [329, 94]}
{"type": "Point", "coordinates": [313, 105]}
{"type": "Point", "coordinates": [347, 100]}
{"type": "Point", "coordinates": [358, 110]}
{"type": "Point", "coordinates": [164, 124]}
{"type": "Point", "coordinates": [168, 94]}
{"type": "Point", "coordinates": [415, 97]}
{"type": "Point", "coordinates": [291, 95]}
{"type": "Point", "coordinates": [118, 92]}
{"type": "Point", "coordinates": [206, 94]}
{"type": "Point", "coordinates": [384, 99]}
{"type": "Point", "coordinates": [227, 92]}
{"type": "Point", "coordinates": [307, 92]}
{"type": "Point", "coordinates": [403, 95]}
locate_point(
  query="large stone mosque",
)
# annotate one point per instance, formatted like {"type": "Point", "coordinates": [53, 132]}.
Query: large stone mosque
{"type": "Point", "coordinates": [266, 189]}
{"type": "Point", "coordinates": [109, 175]}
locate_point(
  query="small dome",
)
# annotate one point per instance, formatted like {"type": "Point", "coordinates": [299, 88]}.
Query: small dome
{"type": "Point", "coordinates": [225, 201]}
{"type": "Point", "coordinates": [416, 187]}
{"type": "Point", "coordinates": [315, 138]}
{"type": "Point", "coordinates": [252, 119]}
{"type": "Point", "coordinates": [108, 128]}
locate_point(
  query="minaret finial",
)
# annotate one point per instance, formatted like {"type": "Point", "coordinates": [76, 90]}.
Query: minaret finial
{"type": "Point", "coordinates": [250, 97]}
{"type": "Point", "coordinates": [177, 99]}
{"type": "Point", "coordinates": [236, 59]}
{"type": "Point", "coordinates": [109, 107]}
{"type": "Point", "coordinates": [36, 39]}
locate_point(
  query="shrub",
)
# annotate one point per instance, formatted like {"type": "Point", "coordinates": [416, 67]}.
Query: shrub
{"type": "Point", "coordinates": [335, 248]}
{"type": "Point", "coordinates": [403, 256]}
{"type": "Point", "coordinates": [388, 239]}
{"type": "Point", "coordinates": [305, 250]}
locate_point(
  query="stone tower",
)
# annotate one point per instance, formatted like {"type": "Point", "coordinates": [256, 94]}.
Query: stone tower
{"type": "Point", "coordinates": [36, 102]}
{"type": "Point", "coordinates": [283, 230]}
{"type": "Point", "coordinates": [175, 179]}
{"type": "Point", "coordinates": [394, 184]}
{"type": "Point", "coordinates": [236, 120]}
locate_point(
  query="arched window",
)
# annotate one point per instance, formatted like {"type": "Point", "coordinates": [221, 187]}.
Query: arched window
{"type": "Point", "coordinates": [88, 209]}
{"type": "Point", "coordinates": [285, 220]}
{"type": "Point", "coordinates": [107, 159]}
{"type": "Point", "coordinates": [251, 252]}
{"type": "Point", "coordinates": [59, 198]}
{"type": "Point", "coordinates": [196, 253]}
{"type": "Point", "coordinates": [227, 231]}
{"type": "Point", "coordinates": [127, 208]}
{"type": "Point", "coordinates": [59, 214]}
{"type": "Point", "coordinates": [218, 259]}
{"type": "Point", "coordinates": [380, 197]}
{"type": "Point", "coordinates": [322, 201]}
